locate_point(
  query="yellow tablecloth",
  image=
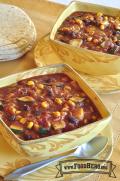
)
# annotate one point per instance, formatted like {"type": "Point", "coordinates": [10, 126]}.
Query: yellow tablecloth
{"type": "Point", "coordinates": [44, 14]}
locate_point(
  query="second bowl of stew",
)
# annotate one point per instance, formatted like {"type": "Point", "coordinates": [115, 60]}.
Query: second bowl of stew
{"type": "Point", "coordinates": [87, 36]}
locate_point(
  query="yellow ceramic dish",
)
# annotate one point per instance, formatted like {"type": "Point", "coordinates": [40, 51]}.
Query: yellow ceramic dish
{"type": "Point", "coordinates": [12, 161]}
{"type": "Point", "coordinates": [87, 61]}
{"type": "Point", "coordinates": [60, 143]}
{"type": "Point", "coordinates": [103, 84]}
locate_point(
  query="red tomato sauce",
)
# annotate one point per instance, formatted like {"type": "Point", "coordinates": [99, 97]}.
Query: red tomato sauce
{"type": "Point", "coordinates": [93, 31]}
{"type": "Point", "coordinates": [45, 105]}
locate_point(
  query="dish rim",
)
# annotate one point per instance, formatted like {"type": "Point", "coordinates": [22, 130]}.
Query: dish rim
{"type": "Point", "coordinates": [23, 142]}
{"type": "Point", "coordinates": [52, 37]}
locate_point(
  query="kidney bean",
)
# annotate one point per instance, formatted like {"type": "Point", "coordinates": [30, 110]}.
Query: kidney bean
{"type": "Point", "coordinates": [73, 120]}
{"type": "Point", "coordinates": [26, 107]}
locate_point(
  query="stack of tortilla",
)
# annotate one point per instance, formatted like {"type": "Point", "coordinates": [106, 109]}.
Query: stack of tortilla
{"type": "Point", "coordinates": [17, 32]}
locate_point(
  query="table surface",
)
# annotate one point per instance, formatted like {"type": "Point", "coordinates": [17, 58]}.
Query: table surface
{"type": "Point", "coordinates": [44, 14]}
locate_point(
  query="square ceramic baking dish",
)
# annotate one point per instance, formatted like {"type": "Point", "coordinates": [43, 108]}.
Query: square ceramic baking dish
{"type": "Point", "coordinates": [56, 144]}
{"type": "Point", "coordinates": [84, 60]}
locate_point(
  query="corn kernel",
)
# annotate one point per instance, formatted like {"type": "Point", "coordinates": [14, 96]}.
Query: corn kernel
{"type": "Point", "coordinates": [105, 23]}
{"type": "Point", "coordinates": [82, 112]}
{"type": "Point", "coordinates": [45, 104]}
{"type": "Point", "coordinates": [57, 125]}
{"type": "Point", "coordinates": [102, 27]}
{"type": "Point", "coordinates": [99, 14]}
{"type": "Point", "coordinates": [79, 21]}
{"type": "Point", "coordinates": [58, 101]}
{"type": "Point", "coordinates": [18, 117]}
{"type": "Point", "coordinates": [30, 125]}
{"type": "Point", "coordinates": [18, 112]}
{"type": "Point", "coordinates": [57, 114]}
{"type": "Point", "coordinates": [95, 41]}
{"type": "Point", "coordinates": [38, 91]}
{"type": "Point", "coordinates": [22, 120]}
{"type": "Point", "coordinates": [81, 26]}
{"type": "Point", "coordinates": [67, 88]}
{"type": "Point", "coordinates": [79, 114]}
{"type": "Point", "coordinates": [36, 126]}
{"type": "Point", "coordinates": [89, 38]}
{"type": "Point", "coordinates": [117, 26]}
{"type": "Point", "coordinates": [41, 86]}
{"type": "Point", "coordinates": [65, 29]}
{"type": "Point", "coordinates": [30, 83]}
{"type": "Point", "coordinates": [76, 43]}
{"type": "Point", "coordinates": [13, 109]}
{"type": "Point", "coordinates": [111, 19]}
{"type": "Point", "coordinates": [91, 17]}
{"type": "Point", "coordinates": [92, 32]}
{"type": "Point", "coordinates": [106, 18]}
{"type": "Point", "coordinates": [71, 103]}
{"type": "Point", "coordinates": [115, 39]}
{"type": "Point", "coordinates": [65, 108]}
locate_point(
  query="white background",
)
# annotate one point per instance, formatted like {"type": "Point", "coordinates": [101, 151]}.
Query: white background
{"type": "Point", "coordinates": [112, 3]}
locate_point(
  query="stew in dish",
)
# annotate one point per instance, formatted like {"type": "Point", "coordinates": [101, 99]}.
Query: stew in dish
{"type": "Point", "coordinates": [94, 31]}
{"type": "Point", "coordinates": [45, 105]}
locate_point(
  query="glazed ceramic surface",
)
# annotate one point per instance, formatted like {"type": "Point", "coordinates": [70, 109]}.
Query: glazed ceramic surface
{"type": "Point", "coordinates": [86, 61]}
{"type": "Point", "coordinates": [56, 144]}
{"type": "Point", "coordinates": [14, 161]}
{"type": "Point", "coordinates": [103, 84]}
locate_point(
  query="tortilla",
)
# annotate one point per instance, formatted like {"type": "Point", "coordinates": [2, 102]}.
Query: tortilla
{"type": "Point", "coordinates": [17, 32]}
